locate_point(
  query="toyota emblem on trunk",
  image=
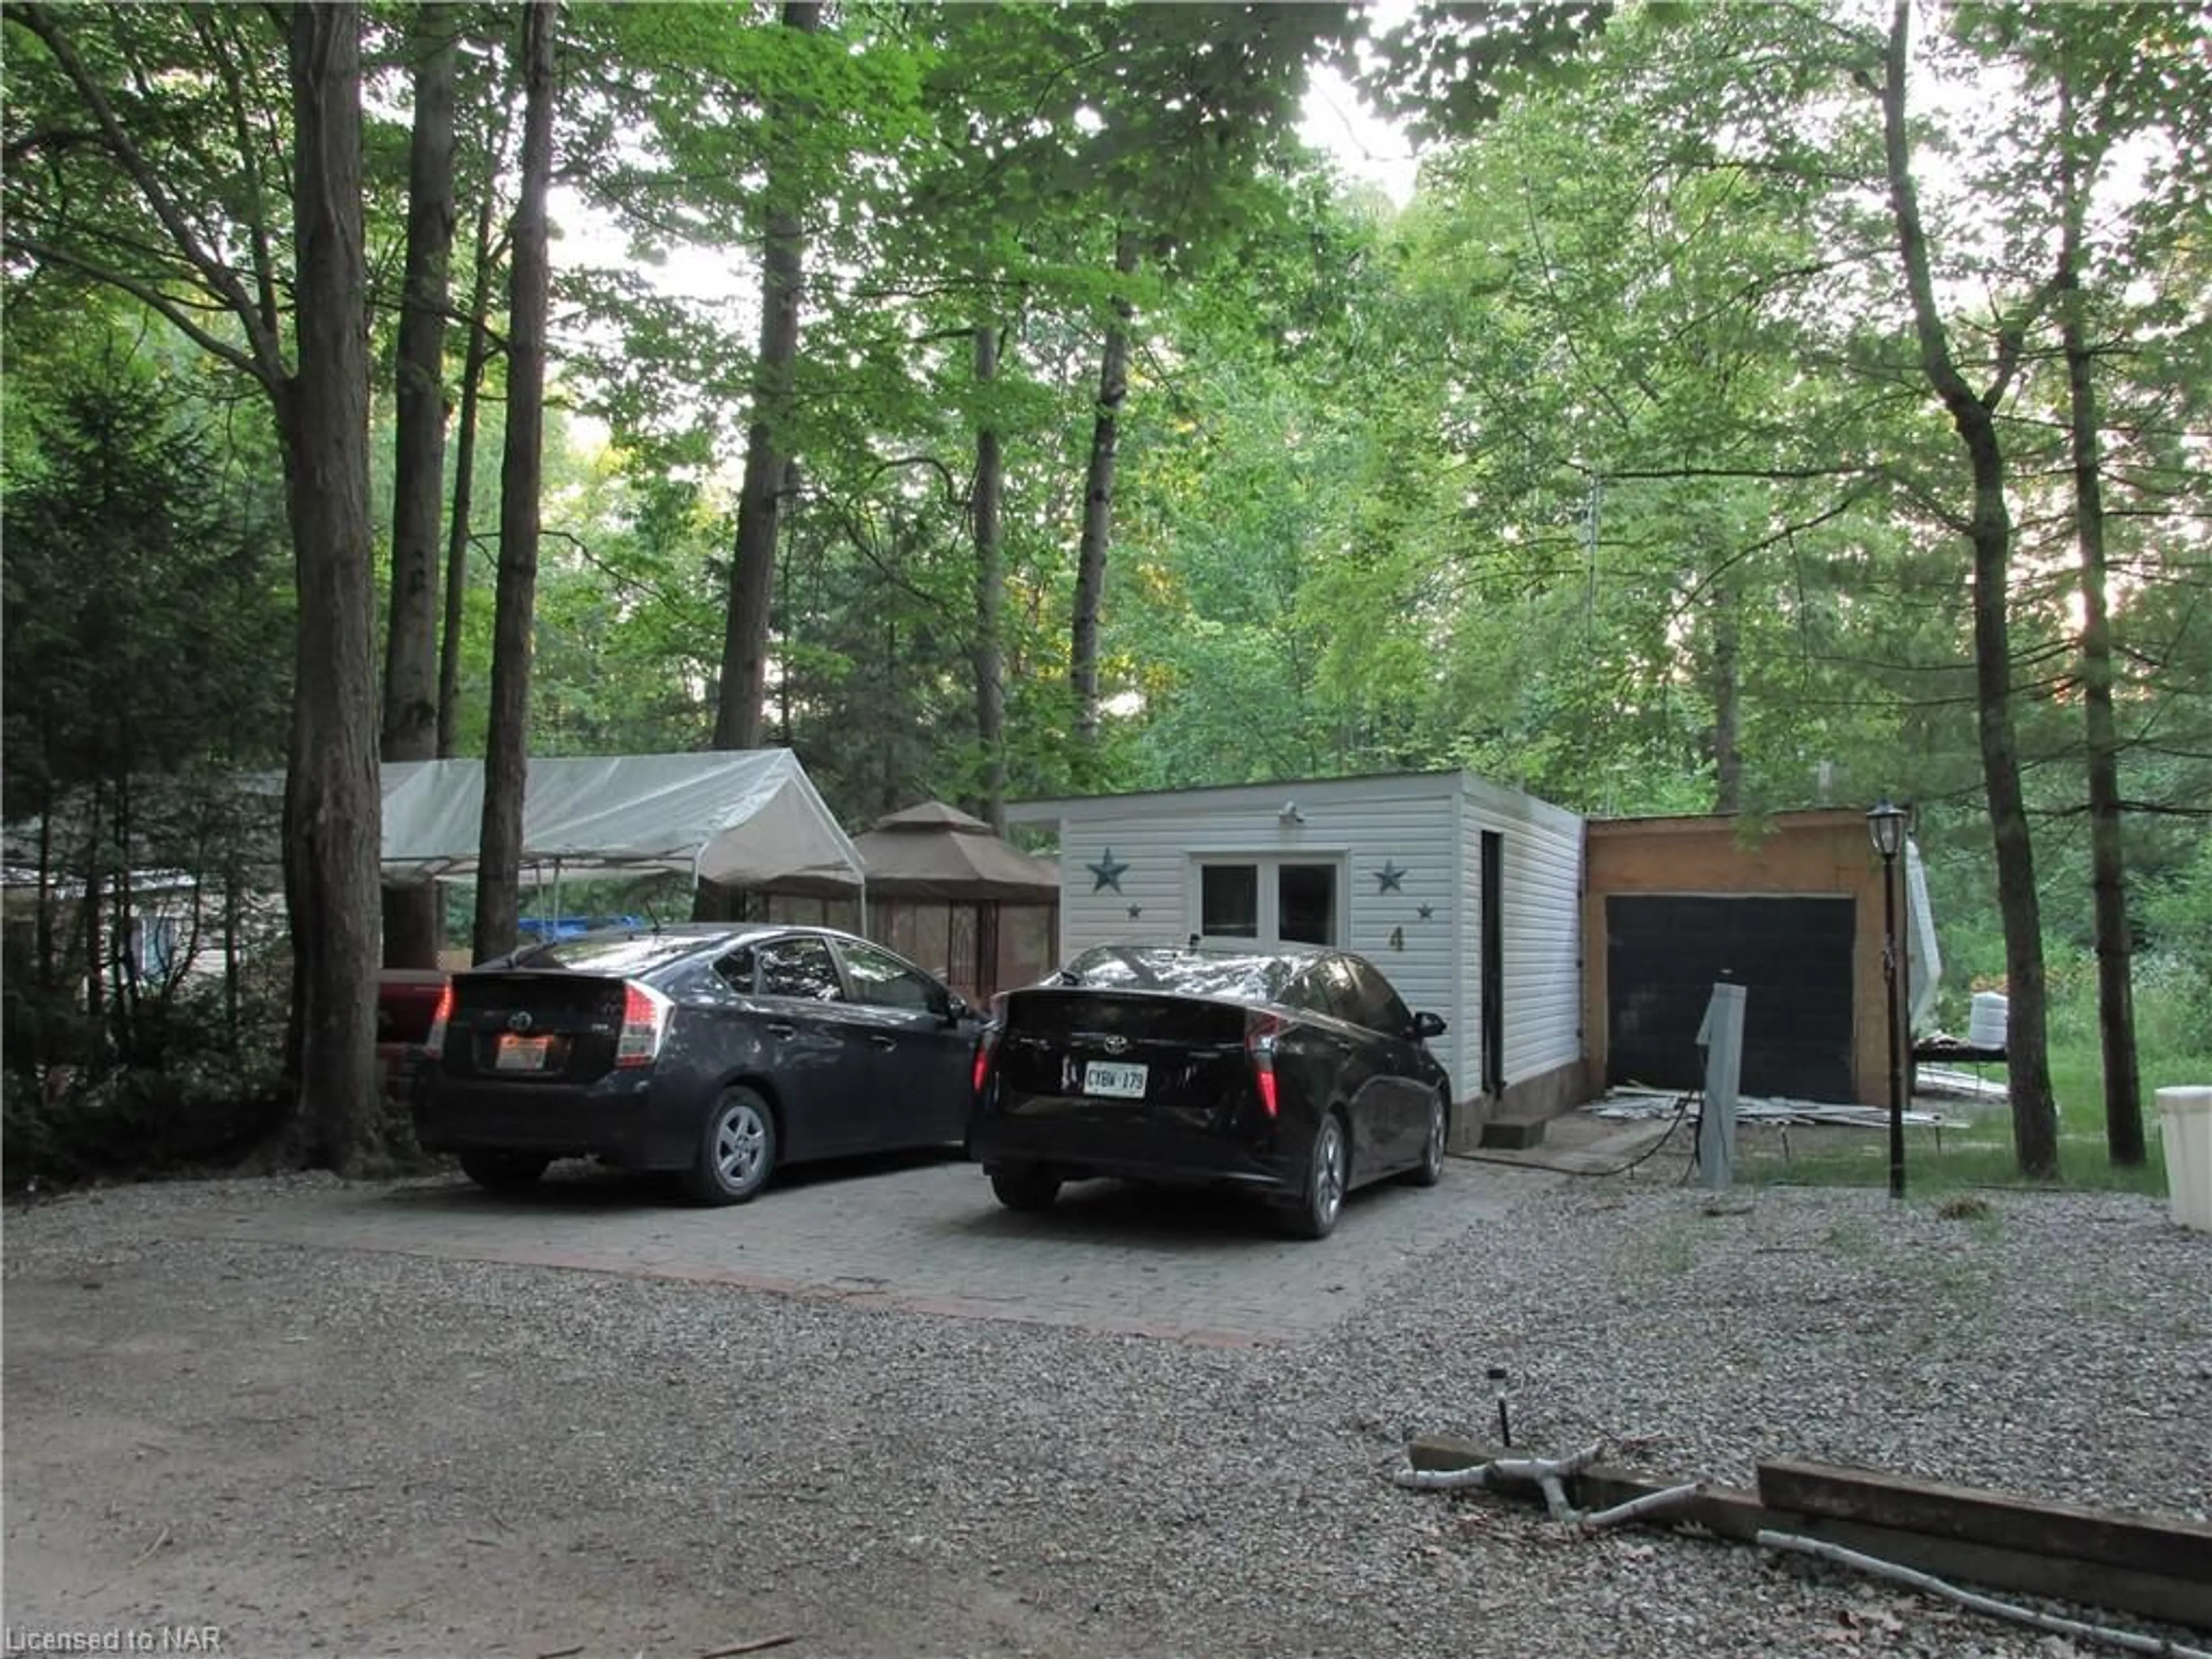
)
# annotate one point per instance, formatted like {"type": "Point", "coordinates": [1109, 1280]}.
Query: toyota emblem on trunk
{"type": "Point", "coordinates": [1114, 1045]}
{"type": "Point", "coordinates": [518, 1020]}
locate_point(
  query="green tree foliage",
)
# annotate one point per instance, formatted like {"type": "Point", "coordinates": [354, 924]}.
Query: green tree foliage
{"type": "Point", "coordinates": [146, 616]}
{"type": "Point", "coordinates": [147, 668]}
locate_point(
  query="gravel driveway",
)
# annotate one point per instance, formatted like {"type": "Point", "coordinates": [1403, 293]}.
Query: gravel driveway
{"type": "Point", "coordinates": [364, 1452]}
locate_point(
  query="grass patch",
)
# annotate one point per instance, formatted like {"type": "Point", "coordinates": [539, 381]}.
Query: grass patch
{"type": "Point", "coordinates": [1674, 1255]}
{"type": "Point", "coordinates": [1850, 1240]}
{"type": "Point", "coordinates": [1975, 1153]}
{"type": "Point", "coordinates": [1974, 1149]}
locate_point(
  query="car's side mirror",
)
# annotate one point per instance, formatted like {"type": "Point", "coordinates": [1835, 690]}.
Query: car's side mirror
{"type": "Point", "coordinates": [956, 1009]}
{"type": "Point", "coordinates": [1427, 1025]}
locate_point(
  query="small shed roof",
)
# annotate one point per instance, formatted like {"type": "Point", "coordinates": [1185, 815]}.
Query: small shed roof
{"type": "Point", "coordinates": [937, 851]}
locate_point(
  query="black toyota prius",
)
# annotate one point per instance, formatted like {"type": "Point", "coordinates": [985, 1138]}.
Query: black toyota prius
{"type": "Point", "coordinates": [1295, 1074]}
{"type": "Point", "coordinates": [718, 1051]}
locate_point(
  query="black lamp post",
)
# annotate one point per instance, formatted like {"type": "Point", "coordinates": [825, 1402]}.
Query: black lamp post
{"type": "Point", "coordinates": [1886, 829]}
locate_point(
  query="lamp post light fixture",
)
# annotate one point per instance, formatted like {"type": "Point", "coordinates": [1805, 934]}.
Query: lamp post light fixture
{"type": "Point", "coordinates": [1886, 829]}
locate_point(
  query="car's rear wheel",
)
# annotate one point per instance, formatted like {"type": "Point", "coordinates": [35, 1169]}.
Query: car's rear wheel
{"type": "Point", "coordinates": [1328, 1172]}
{"type": "Point", "coordinates": [1431, 1170]}
{"type": "Point", "coordinates": [503, 1172]}
{"type": "Point", "coordinates": [1025, 1187]}
{"type": "Point", "coordinates": [737, 1149]}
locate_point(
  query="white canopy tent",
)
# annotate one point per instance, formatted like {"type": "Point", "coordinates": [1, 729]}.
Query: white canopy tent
{"type": "Point", "coordinates": [740, 818]}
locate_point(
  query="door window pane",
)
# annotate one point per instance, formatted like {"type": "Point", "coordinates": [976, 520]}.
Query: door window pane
{"type": "Point", "coordinates": [881, 978]}
{"type": "Point", "coordinates": [1379, 1008]}
{"type": "Point", "coordinates": [1229, 901]}
{"type": "Point", "coordinates": [1305, 898]}
{"type": "Point", "coordinates": [799, 967]}
{"type": "Point", "coordinates": [1333, 977]}
{"type": "Point", "coordinates": [1309, 989]}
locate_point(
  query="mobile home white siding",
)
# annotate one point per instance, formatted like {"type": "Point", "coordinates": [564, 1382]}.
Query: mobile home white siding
{"type": "Point", "coordinates": [1402, 845]}
{"type": "Point", "coordinates": [1540, 849]}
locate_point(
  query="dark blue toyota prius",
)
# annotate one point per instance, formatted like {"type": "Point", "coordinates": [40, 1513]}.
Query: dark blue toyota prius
{"type": "Point", "coordinates": [718, 1051]}
{"type": "Point", "coordinates": [1294, 1073]}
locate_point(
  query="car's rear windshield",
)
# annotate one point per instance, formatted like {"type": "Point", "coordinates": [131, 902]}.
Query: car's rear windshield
{"type": "Point", "coordinates": [1246, 976]}
{"type": "Point", "coordinates": [618, 956]}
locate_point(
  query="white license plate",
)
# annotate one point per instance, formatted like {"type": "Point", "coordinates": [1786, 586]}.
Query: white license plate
{"type": "Point", "coordinates": [1121, 1082]}
{"type": "Point", "coordinates": [521, 1053]}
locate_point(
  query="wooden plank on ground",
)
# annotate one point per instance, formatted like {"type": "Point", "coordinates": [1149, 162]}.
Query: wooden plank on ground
{"type": "Point", "coordinates": [1451, 1451]}
{"type": "Point", "coordinates": [2000, 1567]}
{"type": "Point", "coordinates": [2171, 1548]}
{"type": "Point", "coordinates": [2139, 1586]}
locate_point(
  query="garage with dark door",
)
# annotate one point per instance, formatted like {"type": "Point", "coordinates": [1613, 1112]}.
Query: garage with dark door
{"type": "Point", "coordinates": [1664, 954]}
{"type": "Point", "coordinates": [1788, 906]}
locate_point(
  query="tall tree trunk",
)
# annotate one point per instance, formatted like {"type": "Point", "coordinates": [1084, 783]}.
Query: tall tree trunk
{"type": "Point", "coordinates": [2034, 1114]}
{"type": "Point", "coordinates": [410, 654]}
{"type": "Point", "coordinates": [124, 930]}
{"type": "Point", "coordinates": [506, 752]}
{"type": "Point", "coordinates": [464, 472]}
{"type": "Point", "coordinates": [321, 405]}
{"type": "Point", "coordinates": [2115, 1008]}
{"type": "Point", "coordinates": [332, 798]}
{"type": "Point", "coordinates": [1098, 499]}
{"type": "Point", "coordinates": [42, 923]}
{"type": "Point", "coordinates": [743, 689]}
{"type": "Point", "coordinates": [90, 915]}
{"type": "Point", "coordinates": [990, 588]}
{"type": "Point", "coordinates": [1728, 703]}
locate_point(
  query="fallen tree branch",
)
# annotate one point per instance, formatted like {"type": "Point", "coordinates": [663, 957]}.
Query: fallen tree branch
{"type": "Point", "coordinates": [758, 1645]}
{"type": "Point", "coordinates": [1538, 1469]}
{"type": "Point", "coordinates": [1639, 1509]}
{"type": "Point", "coordinates": [1548, 1475]}
{"type": "Point", "coordinates": [1527, 1470]}
{"type": "Point", "coordinates": [1555, 1498]}
{"type": "Point", "coordinates": [2132, 1641]}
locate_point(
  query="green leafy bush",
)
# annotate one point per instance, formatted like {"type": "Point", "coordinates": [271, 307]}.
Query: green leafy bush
{"type": "Point", "coordinates": [195, 1089]}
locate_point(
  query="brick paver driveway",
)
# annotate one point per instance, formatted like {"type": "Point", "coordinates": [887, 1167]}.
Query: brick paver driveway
{"type": "Point", "coordinates": [926, 1236]}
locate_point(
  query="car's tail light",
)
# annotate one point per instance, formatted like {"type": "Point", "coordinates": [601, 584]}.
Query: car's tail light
{"type": "Point", "coordinates": [986, 1041]}
{"type": "Point", "coordinates": [645, 1022]}
{"type": "Point", "coordinates": [435, 1044]}
{"type": "Point", "coordinates": [1260, 1031]}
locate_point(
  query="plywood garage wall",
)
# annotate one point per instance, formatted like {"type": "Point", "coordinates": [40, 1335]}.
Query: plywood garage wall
{"type": "Point", "coordinates": [1792, 854]}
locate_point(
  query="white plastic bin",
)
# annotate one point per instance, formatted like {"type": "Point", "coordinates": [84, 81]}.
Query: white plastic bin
{"type": "Point", "coordinates": [1987, 1019]}
{"type": "Point", "coordinates": [2185, 1117]}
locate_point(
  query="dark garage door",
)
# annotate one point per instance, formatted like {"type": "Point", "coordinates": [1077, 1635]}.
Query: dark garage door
{"type": "Point", "coordinates": [1792, 958]}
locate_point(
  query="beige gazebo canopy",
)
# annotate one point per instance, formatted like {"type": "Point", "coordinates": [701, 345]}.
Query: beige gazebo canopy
{"type": "Point", "coordinates": [946, 892]}
{"type": "Point", "coordinates": [939, 852]}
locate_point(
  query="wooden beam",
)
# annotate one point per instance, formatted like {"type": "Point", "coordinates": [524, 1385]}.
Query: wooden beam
{"type": "Point", "coordinates": [2172, 1547]}
{"type": "Point", "coordinates": [1997, 1566]}
{"type": "Point", "coordinates": [2144, 1586]}
{"type": "Point", "coordinates": [1451, 1451]}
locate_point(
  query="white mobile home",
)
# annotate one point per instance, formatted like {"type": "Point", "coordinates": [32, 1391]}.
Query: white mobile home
{"type": "Point", "coordinates": [1467, 895]}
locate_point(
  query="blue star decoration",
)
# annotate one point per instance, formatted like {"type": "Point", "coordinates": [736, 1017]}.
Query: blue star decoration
{"type": "Point", "coordinates": [1107, 872]}
{"type": "Point", "coordinates": [1136, 910]}
{"type": "Point", "coordinates": [1390, 879]}
{"type": "Point", "coordinates": [1428, 912]}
